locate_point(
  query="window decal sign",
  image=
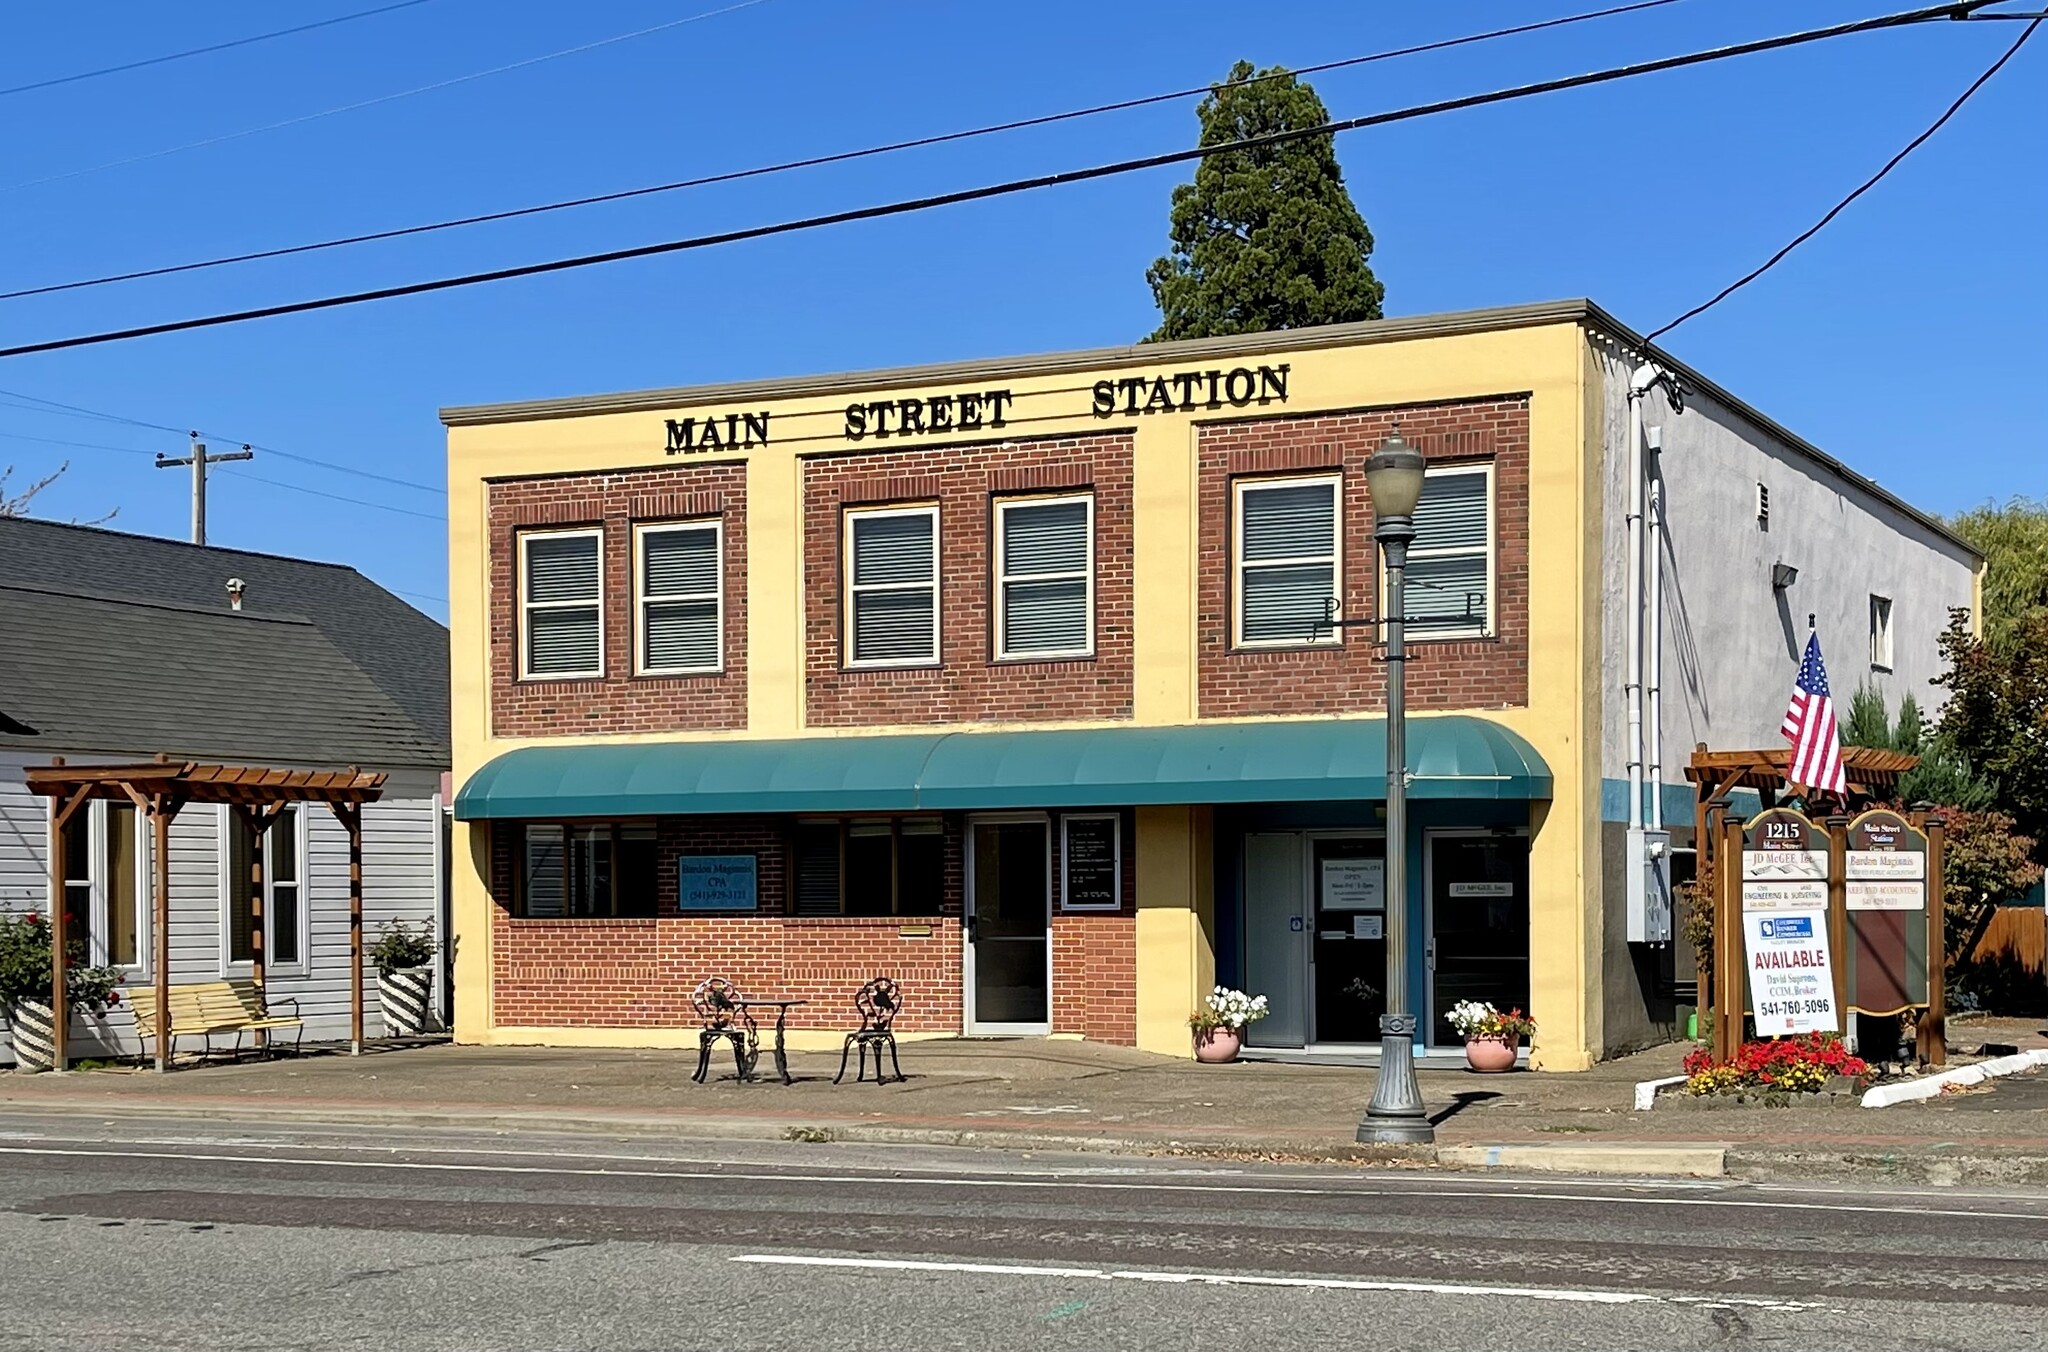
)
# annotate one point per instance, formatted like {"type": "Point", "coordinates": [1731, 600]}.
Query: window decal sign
{"type": "Point", "coordinates": [716, 882]}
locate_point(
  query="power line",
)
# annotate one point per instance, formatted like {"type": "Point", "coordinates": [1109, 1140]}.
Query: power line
{"type": "Point", "coordinates": [204, 51]}
{"type": "Point", "coordinates": [243, 474]}
{"type": "Point", "coordinates": [79, 410]}
{"type": "Point", "coordinates": [902, 207]}
{"type": "Point", "coordinates": [816, 161]}
{"type": "Point", "coordinates": [381, 98]}
{"type": "Point", "coordinates": [1864, 187]}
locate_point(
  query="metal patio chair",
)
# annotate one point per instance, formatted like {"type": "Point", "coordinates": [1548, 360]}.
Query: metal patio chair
{"type": "Point", "coordinates": [720, 1009]}
{"type": "Point", "coordinates": [879, 1002]}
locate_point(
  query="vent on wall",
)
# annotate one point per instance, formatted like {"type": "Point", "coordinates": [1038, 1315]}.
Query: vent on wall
{"type": "Point", "coordinates": [1763, 507]}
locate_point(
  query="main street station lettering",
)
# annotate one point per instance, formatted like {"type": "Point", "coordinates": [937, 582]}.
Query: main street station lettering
{"type": "Point", "coordinates": [1185, 391]}
{"type": "Point", "coordinates": [734, 431]}
{"type": "Point", "coordinates": [919, 417]}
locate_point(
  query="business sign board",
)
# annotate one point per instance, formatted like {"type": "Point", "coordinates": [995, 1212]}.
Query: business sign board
{"type": "Point", "coordinates": [1786, 954]}
{"type": "Point", "coordinates": [1885, 886]}
{"type": "Point", "coordinates": [715, 882]}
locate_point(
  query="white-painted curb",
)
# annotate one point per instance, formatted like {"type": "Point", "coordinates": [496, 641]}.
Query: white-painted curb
{"type": "Point", "coordinates": [1930, 1086]}
{"type": "Point", "coordinates": [1647, 1091]}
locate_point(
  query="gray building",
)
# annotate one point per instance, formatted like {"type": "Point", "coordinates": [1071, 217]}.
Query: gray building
{"type": "Point", "coordinates": [116, 648]}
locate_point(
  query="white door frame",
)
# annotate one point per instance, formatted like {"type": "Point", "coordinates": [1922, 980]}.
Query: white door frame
{"type": "Point", "coordinates": [1311, 880]}
{"type": "Point", "coordinates": [969, 1023]}
{"type": "Point", "coordinates": [1426, 1017]}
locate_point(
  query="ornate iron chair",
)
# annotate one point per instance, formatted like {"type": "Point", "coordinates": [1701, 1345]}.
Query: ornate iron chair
{"type": "Point", "coordinates": [717, 1002]}
{"type": "Point", "coordinates": [879, 1002]}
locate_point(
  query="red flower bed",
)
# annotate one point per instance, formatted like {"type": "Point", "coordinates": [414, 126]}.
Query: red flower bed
{"type": "Point", "coordinates": [1799, 1065]}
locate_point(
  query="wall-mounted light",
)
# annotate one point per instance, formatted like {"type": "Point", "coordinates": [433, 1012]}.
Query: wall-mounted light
{"type": "Point", "coordinates": [1783, 575]}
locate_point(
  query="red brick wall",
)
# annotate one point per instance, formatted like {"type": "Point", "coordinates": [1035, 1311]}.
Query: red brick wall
{"type": "Point", "coordinates": [639, 973]}
{"type": "Point", "coordinates": [621, 701]}
{"type": "Point", "coordinates": [969, 684]}
{"type": "Point", "coordinates": [1490, 672]}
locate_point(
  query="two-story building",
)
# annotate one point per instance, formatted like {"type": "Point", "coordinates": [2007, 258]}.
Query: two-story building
{"type": "Point", "coordinates": [1011, 679]}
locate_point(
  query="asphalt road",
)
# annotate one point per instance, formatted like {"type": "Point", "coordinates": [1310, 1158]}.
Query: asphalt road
{"type": "Point", "coordinates": [225, 1235]}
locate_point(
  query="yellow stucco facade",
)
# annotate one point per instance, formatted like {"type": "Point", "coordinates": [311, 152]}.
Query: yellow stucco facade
{"type": "Point", "coordinates": [1548, 359]}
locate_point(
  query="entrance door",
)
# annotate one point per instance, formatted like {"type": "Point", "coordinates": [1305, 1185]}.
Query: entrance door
{"type": "Point", "coordinates": [1008, 963]}
{"type": "Point", "coordinates": [1276, 938]}
{"type": "Point", "coordinates": [1349, 874]}
{"type": "Point", "coordinates": [1479, 925]}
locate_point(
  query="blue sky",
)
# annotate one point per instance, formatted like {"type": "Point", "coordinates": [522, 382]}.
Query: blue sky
{"type": "Point", "coordinates": [1905, 338]}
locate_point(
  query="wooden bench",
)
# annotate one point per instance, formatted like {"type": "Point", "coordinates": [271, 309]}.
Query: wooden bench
{"type": "Point", "coordinates": [208, 1008]}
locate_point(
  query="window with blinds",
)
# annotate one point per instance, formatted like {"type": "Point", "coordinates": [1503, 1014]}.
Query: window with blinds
{"type": "Point", "coordinates": [1450, 564]}
{"type": "Point", "coordinates": [1286, 552]}
{"type": "Point", "coordinates": [1045, 577]}
{"type": "Point", "coordinates": [869, 866]}
{"type": "Point", "coordinates": [561, 604]}
{"type": "Point", "coordinates": [892, 594]}
{"type": "Point", "coordinates": [599, 869]}
{"type": "Point", "coordinates": [681, 598]}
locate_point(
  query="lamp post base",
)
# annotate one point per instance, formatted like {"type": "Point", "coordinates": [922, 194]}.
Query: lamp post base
{"type": "Point", "coordinates": [1395, 1116]}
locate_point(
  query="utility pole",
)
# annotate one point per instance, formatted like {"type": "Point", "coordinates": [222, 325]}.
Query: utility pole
{"type": "Point", "coordinates": [199, 460]}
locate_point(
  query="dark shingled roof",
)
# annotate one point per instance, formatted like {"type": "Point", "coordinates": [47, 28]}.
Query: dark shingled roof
{"type": "Point", "coordinates": [126, 643]}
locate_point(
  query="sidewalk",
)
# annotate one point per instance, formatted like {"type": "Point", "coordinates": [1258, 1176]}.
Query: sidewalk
{"type": "Point", "coordinates": [1045, 1094]}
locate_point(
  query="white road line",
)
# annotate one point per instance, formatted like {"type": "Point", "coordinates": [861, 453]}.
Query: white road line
{"type": "Point", "coordinates": [1582, 1297]}
{"type": "Point", "coordinates": [1085, 1185]}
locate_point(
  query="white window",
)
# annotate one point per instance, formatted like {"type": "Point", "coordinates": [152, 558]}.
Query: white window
{"type": "Point", "coordinates": [284, 892]}
{"type": "Point", "coordinates": [681, 598]}
{"type": "Point", "coordinates": [1881, 632]}
{"type": "Point", "coordinates": [561, 604]}
{"type": "Point", "coordinates": [105, 882]}
{"type": "Point", "coordinates": [1450, 564]}
{"type": "Point", "coordinates": [1045, 577]}
{"type": "Point", "coordinates": [892, 601]}
{"type": "Point", "coordinates": [1286, 550]}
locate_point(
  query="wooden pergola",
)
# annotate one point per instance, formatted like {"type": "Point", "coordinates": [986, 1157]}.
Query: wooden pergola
{"type": "Point", "coordinates": [1872, 774]}
{"type": "Point", "coordinates": [158, 789]}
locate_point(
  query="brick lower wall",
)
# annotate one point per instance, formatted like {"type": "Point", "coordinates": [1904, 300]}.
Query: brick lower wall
{"type": "Point", "coordinates": [639, 973]}
{"type": "Point", "coordinates": [1350, 676]}
{"type": "Point", "coordinates": [619, 701]}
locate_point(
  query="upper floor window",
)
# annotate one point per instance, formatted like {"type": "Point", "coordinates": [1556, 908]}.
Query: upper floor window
{"type": "Point", "coordinates": [1450, 565]}
{"type": "Point", "coordinates": [681, 599]}
{"type": "Point", "coordinates": [1045, 577]}
{"type": "Point", "coordinates": [561, 603]}
{"type": "Point", "coordinates": [1285, 559]}
{"type": "Point", "coordinates": [1881, 632]}
{"type": "Point", "coordinates": [892, 596]}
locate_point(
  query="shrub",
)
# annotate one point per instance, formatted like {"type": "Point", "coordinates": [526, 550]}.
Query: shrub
{"type": "Point", "coordinates": [25, 967]}
{"type": "Point", "coordinates": [399, 947]}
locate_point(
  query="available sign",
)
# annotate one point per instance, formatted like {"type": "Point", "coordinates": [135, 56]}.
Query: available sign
{"type": "Point", "coordinates": [1791, 976]}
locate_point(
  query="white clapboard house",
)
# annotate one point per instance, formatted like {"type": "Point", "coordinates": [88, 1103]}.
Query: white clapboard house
{"type": "Point", "coordinates": [115, 648]}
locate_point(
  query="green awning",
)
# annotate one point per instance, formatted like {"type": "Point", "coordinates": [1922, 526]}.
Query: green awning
{"type": "Point", "coordinates": [1323, 760]}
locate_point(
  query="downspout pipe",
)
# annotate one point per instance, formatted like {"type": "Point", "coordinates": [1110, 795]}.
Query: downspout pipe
{"type": "Point", "coordinates": [1640, 383]}
{"type": "Point", "coordinates": [1653, 630]}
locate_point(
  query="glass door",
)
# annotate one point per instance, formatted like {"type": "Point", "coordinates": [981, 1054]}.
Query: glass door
{"type": "Point", "coordinates": [1349, 948]}
{"type": "Point", "coordinates": [1008, 963]}
{"type": "Point", "coordinates": [1478, 926]}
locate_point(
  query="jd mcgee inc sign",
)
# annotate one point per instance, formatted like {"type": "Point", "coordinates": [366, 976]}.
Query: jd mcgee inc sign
{"type": "Point", "coordinates": [988, 410]}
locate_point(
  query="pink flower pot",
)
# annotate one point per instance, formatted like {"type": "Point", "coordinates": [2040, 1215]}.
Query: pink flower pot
{"type": "Point", "coordinates": [1218, 1046]}
{"type": "Point", "coordinates": [1491, 1055]}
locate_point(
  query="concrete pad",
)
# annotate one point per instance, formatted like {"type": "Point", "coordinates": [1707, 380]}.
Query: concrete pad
{"type": "Point", "coordinates": [1628, 1158]}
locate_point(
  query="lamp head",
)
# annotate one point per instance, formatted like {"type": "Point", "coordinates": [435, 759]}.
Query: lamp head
{"type": "Point", "coordinates": [1393, 475]}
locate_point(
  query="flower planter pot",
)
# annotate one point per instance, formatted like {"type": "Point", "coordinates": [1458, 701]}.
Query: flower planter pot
{"type": "Point", "coordinates": [35, 1038]}
{"type": "Point", "coordinates": [1218, 1046]}
{"type": "Point", "coordinates": [1491, 1055]}
{"type": "Point", "coordinates": [405, 999]}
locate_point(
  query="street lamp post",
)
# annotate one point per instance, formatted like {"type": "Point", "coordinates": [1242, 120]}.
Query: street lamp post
{"type": "Point", "coordinates": [1393, 477]}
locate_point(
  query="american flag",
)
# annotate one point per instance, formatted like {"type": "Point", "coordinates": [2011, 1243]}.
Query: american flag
{"type": "Point", "coordinates": [1810, 726]}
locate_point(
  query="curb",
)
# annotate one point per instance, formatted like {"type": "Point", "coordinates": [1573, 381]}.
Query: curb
{"type": "Point", "coordinates": [1930, 1086]}
{"type": "Point", "coordinates": [1678, 1160]}
{"type": "Point", "coordinates": [1941, 1167]}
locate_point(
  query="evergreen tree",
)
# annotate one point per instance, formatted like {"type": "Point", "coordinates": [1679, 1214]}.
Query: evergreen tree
{"type": "Point", "coordinates": [1265, 237]}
